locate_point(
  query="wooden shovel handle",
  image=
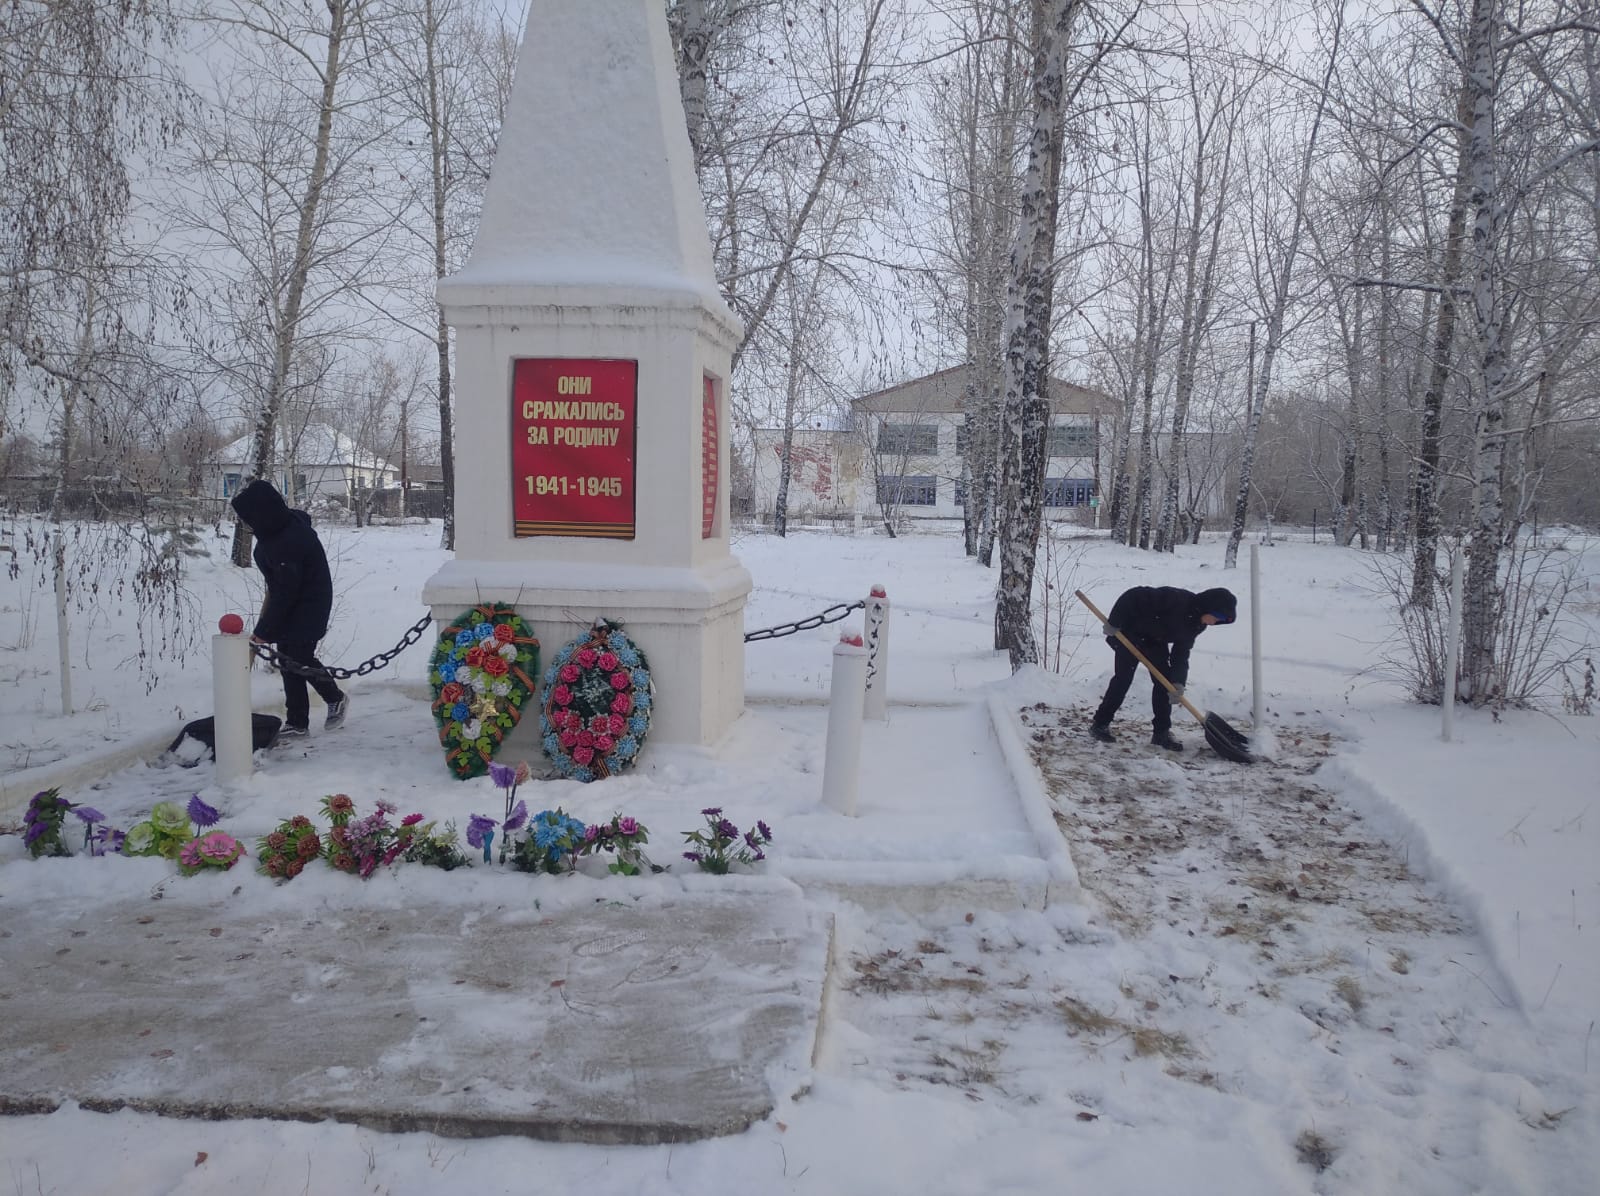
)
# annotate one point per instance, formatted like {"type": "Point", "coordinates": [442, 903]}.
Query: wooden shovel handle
{"type": "Point", "coordinates": [1140, 657]}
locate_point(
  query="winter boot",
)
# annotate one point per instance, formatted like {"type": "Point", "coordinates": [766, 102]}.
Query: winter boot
{"type": "Point", "coordinates": [1164, 739]}
{"type": "Point", "coordinates": [1102, 732]}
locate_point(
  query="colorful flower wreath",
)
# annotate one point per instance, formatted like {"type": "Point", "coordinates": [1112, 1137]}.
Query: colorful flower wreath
{"type": "Point", "coordinates": [482, 674]}
{"type": "Point", "coordinates": [597, 703]}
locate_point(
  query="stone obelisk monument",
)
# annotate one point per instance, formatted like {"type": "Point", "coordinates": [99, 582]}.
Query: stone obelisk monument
{"type": "Point", "coordinates": [593, 352]}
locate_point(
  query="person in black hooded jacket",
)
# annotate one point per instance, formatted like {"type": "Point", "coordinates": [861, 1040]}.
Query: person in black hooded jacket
{"type": "Point", "coordinates": [299, 600]}
{"type": "Point", "coordinates": [1162, 622]}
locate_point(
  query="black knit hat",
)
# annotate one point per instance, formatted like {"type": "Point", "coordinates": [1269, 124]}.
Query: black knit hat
{"type": "Point", "coordinates": [1219, 603]}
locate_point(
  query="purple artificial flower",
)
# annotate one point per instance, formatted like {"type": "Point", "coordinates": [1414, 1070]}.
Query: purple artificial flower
{"type": "Point", "coordinates": [627, 826]}
{"type": "Point", "coordinates": [33, 832]}
{"type": "Point", "coordinates": [385, 806]}
{"type": "Point", "coordinates": [712, 811]}
{"type": "Point", "coordinates": [518, 816]}
{"type": "Point", "coordinates": [477, 827]}
{"type": "Point", "coordinates": [692, 855]}
{"type": "Point", "coordinates": [750, 841]}
{"type": "Point", "coordinates": [726, 830]}
{"type": "Point", "coordinates": [766, 831]}
{"type": "Point", "coordinates": [201, 814]}
{"type": "Point", "coordinates": [106, 840]}
{"type": "Point", "coordinates": [89, 814]}
{"type": "Point", "coordinates": [503, 775]}
{"type": "Point", "coordinates": [591, 832]}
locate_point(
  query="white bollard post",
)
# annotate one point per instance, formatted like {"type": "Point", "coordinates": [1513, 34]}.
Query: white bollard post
{"type": "Point", "coordinates": [841, 770]}
{"type": "Point", "coordinates": [1452, 651]}
{"type": "Point", "coordinates": [1257, 701]}
{"type": "Point", "coordinates": [877, 645]}
{"type": "Point", "coordinates": [230, 696]}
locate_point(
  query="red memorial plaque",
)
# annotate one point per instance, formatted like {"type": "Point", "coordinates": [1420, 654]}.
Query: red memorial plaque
{"type": "Point", "coordinates": [572, 446]}
{"type": "Point", "coordinates": [708, 462]}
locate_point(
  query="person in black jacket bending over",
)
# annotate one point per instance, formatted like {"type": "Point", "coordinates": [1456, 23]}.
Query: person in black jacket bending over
{"type": "Point", "coordinates": [1162, 622]}
{"type": "Point", "coordinates": [299, 600]}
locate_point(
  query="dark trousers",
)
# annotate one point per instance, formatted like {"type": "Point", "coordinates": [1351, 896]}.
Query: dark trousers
{"type": "Point", "coordinates": [1122, 677]}
{"type": "Point", "coordinates": [296, 702]}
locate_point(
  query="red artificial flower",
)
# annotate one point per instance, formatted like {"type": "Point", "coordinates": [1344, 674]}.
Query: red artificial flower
{"type": "Point", "coordinates": [608, 661]}
{"type": "Point", "coordinates": [413, 819]}
{"type": "Point", "coordinates": [451, 693]}
{"type": "Point", "coordinates": [616, 724]}
{"type": "Point", "coordinates": [586, 738]}
{"type": "Point", "coordinates": [585, 658]}
{"type": "Point", "coordinates": [619, 680]}
{"type": "Point", "coordinates": [475, 656]}
{"type": "Point", "coordinates": [582, 755]}
{"type": "Point", "coordinates": [622, 703]}
{"type": "Point", "coordinates": [569, 739]}
{"type": "Point", "coordinates": [561, 695]}
{"type": "Point", "coordinates": [569, 673]}
{"type": "Point", "coordinates": [600, 723]}
{"type": "Point", "coordinates": [503, 633]}
{"type": "Point", "coordinates": [495, 666]}
{"type": "Point", "coordinates": [604, 743]}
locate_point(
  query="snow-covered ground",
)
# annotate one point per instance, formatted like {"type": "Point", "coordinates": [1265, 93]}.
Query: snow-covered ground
{"type": "Point", "coordinates": [1366, 965]}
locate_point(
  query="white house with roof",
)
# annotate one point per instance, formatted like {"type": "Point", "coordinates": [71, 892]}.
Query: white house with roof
{"type": "Point", "coordinates": [316, 462]}
{"type": "Point", "coordinates": [905, 451]}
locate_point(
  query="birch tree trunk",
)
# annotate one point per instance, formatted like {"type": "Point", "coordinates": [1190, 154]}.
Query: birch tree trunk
{"type": "Point", "coordinates": [340, 15]}
{"type": "Point", "coordinates": [1425, 493]}
{"type": "Point", "coordinates": [1027, 335]}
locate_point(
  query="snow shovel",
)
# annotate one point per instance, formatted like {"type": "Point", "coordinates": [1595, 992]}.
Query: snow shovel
{"type": "Point", "coordinates": [1224, 740]}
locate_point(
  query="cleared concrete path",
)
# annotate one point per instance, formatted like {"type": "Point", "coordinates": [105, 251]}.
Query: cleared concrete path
{"type": "Point", "coordinates": [616, 1024]}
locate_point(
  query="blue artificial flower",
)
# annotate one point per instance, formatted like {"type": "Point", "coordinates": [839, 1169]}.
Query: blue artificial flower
{"type": "Point", "coordinates": [485, 631]}
{"type": "Point", "coordinates": [460, 711]}
{"type": "Point", "coordinates": [641, 679]}
{"type": "Point", "coordinates": [638, 724]}
{"type": "Point", "coordinates": [642, 700]}
{"type": "Point", "coordinates": [583, 774]}
{"type": "Point", "coordinates": [629, 657]}
{"type": "Point", "coordinates": [627, 747]}
{"type": "Point", "coordinates": [545, 830]}
{"type": "Point", "coordinates": [447, 671]}
{"type": "Point", "coordinates": [552, 743]}
{"type": "Point", "coordinates": [465, 639]}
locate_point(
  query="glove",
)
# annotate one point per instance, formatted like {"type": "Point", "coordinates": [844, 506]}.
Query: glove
{"type": "Point", "coordinates": [1110, 630]}
{"type": "Point", "coordinates": [1177, 689]}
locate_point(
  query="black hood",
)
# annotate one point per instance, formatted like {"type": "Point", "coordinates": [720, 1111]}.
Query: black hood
{"type": "Point", "coordinates": [262, 509]}
{"type": "Point", "coordinates": [1217, 602]}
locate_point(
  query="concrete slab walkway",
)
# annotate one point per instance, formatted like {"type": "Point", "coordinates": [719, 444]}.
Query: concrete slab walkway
{"type": "Point", "coordinates": [615, 1024]}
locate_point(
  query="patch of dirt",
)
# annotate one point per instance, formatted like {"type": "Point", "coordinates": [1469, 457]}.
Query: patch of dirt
{"type": "Point", "coordinates": [1251, 851]}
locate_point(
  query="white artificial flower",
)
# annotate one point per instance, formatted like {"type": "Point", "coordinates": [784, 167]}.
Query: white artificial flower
{"type": "Point", "coordinates": [502, 688]}
{"type": "Point", "coordinates": [508, 652]}
{"type": "Point", "coordinates": [472, 729]}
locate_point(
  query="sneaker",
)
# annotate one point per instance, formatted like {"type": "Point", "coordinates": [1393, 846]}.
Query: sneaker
{"type": "Point", "coordinates": [1164, 739]}
{"type": "Point", "coordinates": [286, 732]}
{"type": "Point", "coordinates": [336, 712]}
{"type": "Point", "coordinates": [1102, 732]}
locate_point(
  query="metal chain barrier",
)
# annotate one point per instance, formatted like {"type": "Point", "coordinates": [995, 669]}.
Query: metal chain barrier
{"type": "Point", "coordinates": [832, 615]}
{"type": "Point", "coordinates": [276, 659]}
{"type": "Point", "coordinates": [271, 655]}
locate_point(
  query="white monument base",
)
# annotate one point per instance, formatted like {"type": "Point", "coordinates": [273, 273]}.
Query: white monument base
{"type": "Point", "coordinates": [689, 623]}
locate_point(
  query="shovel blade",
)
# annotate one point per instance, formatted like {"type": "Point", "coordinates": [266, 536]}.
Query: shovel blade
{"type": "Point", "coordinates": [1226, 742]}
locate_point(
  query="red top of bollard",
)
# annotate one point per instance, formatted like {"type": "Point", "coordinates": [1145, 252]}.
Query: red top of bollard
{"type": "Point", "coordinates": [853, 638]}
{"type": "Point", "coordinates": [230, 625]}
{"type": "Point", "coordinates": [878, 592]}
